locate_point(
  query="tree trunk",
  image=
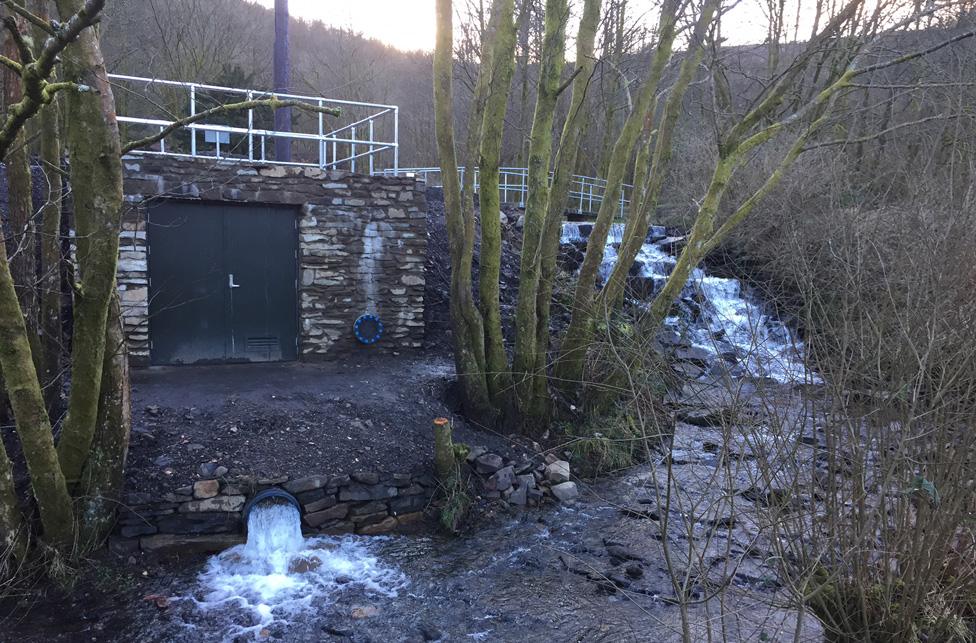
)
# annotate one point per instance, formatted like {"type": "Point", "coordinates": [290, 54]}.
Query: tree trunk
{"type": "Point", "coordinates": [644, 205]}
{"type": "Point", "coordinates": [576, 123]}
{"type": "Point", "coordinates": [468, 330]}
{"type": "Point", "coordinates": [13, 541]}
{"type": "Point", "coordinates": [502, 65]}
{"type": "Point", "coordinates": [102, 476]}
{"type": "Point", "coordinates": [525, 360]}
{"type": "Point", "coordinates": [30, 415]}
{"type": "Point", "coordinates": [50, 283]}
{"type": "Point", "coordinates": [569, 368]}
{"type": "Point", "coordinates": [22, 244]}
{"type": "Point", "coordinates": [96, 179]}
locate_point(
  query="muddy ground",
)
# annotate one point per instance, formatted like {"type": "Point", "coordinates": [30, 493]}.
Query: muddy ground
{"type": "Point", "coordinates": [297, 419]}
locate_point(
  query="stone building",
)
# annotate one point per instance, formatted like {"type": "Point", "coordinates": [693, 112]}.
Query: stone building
{"type": "Point", "coordinates": [234, 262]}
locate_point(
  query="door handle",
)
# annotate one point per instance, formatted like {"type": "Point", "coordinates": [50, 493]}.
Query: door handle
{"type": "Point", "coordinates": [230, 281]}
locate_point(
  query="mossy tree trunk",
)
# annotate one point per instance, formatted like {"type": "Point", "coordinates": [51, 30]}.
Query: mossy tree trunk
{"type": "Point", "coordinates": [576, 123]}
{"type": "Point", "coordinates": [569, 367]}
{"type": "Point", "coordinates": [102, 477]}
{"type": "Point", "coordinates": [525, 360]}
{"type": "Point", "coordinates": [501, 65]}
{"type": "Point", "coordinates": [50, 282]}
{"type": "Point", "coordinates": [466, 321]}
{"type": "Point", "coordinates": [94, 150]}
{"type": "Point", "coordinates": [645, 201]}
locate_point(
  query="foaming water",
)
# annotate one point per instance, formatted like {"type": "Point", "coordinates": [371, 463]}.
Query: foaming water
{"type": "Point", "coordinates": [277, 575]}
{"type": "Point", "coordinates": [730, 321]}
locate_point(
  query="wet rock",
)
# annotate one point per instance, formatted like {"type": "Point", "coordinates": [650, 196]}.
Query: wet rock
{"type": "Point", "coordinates": [557, 471]}
{"type": "Point", "coordinates": [303, 565]}
{"type": "Point", "coordinates": [219, 503]}
{"type": "Point", "coordinates": [381, 527]}
{"type": "Point", "coordinates": [565, 491]}
{"type": "Point", "coordinates": [488, 463]}
{"type": "Point", "coordinates": [163, 461]}
{"type": "Point", "coordinates": [475, 452]}
{"type": "Point", "coordinates": [203, 489]}
{"type": "Point", "coordinates": [634, 570]}
{"type": "Point", "coordinates": [319, 518]}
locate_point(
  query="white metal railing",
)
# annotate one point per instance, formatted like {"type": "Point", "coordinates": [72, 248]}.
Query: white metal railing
{"type": "Point", "coordinates": [585, 192]}
{"type": "Point", "coordinates": [367, 133]}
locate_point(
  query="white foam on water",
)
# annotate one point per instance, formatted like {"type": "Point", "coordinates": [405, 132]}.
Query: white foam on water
{"type": "Point", "coordinates": [278, 574]}
{"type": "Point", "coordinates": [764, 346]}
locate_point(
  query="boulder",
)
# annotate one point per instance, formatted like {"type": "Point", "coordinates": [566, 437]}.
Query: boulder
{"type": "Point", "coordinates": [565, 491]}
{"type": "Point", "coordinates": [557, 471]}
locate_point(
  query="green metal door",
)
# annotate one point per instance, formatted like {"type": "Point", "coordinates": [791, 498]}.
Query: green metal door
{"type": "Point", "coordinates": [222, 283]}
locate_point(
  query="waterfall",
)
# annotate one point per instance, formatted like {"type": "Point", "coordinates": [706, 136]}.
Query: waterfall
{"type": "Point", "coordinates": [719, 316]}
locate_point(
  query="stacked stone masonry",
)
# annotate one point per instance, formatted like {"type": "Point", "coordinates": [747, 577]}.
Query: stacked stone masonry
{"type": "Point", "coordinates": [362, 245]}
{"type": "Point", "coordinates": [208, 515]}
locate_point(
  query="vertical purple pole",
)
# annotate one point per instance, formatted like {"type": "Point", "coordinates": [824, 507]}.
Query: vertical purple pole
{"type": "Point", "coordinates": [282, 79]}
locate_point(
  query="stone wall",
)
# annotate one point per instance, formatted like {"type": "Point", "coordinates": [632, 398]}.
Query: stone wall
{"type": "Point", "coordinates": [208, 515]}
{"type": "Point", "coordinates": [362, 245]}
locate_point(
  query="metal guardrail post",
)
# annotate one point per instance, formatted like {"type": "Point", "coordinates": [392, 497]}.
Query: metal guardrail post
{"type": "Point", "coordinates": [322, 149]}
{"type": "Point", "coordinates": [193, 111]}
{"type": "Point", "coordinates": [396, 139]}
{"type": "Point", "coordinates": [250, 128]}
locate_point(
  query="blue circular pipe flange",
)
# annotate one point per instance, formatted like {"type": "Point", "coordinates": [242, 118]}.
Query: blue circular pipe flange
{"type": "Point", "coordinates": [273, 493]}
{"type": "Point", "coordinates": [368, 329]}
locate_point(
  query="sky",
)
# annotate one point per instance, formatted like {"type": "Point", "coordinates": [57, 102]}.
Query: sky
{"type": "Point", "coordinates": [404, 24]}
{"type": "Point", "coordinates": [409, 24]}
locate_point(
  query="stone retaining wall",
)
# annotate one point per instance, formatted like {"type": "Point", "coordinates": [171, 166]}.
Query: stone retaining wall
{"type": "Point", "coordinates": [208, 515]}
{"type": "Point", "coordinates": [362, 245]}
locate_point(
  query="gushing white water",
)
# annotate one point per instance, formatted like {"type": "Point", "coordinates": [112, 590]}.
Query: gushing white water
{"type": "Point", "coordinates": [278, 574]}
{"type": "Point", "coordinates": [730, 324]}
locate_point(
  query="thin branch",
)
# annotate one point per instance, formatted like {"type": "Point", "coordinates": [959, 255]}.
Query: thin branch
{"type": "Point", "coordinates": [272, 103]}
{"type": "Point", "coordinates": [569, 81]}
{"type": "Point", "coordinates": [12, 64]}
{"type": "Point", "coordinates": [35, 74]}
{"type": "Point", "coordinates": [913, 55]}
{"type": "Point", "coordinates": [26, 55]}
{"type": "Point", "coordinates": [37, 21]}
{"type": "Point", "coordinates": [893, 128]}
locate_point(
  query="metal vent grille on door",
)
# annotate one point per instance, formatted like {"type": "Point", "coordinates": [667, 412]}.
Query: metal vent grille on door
{"type": "Point", "coordinates": [262, 344]}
